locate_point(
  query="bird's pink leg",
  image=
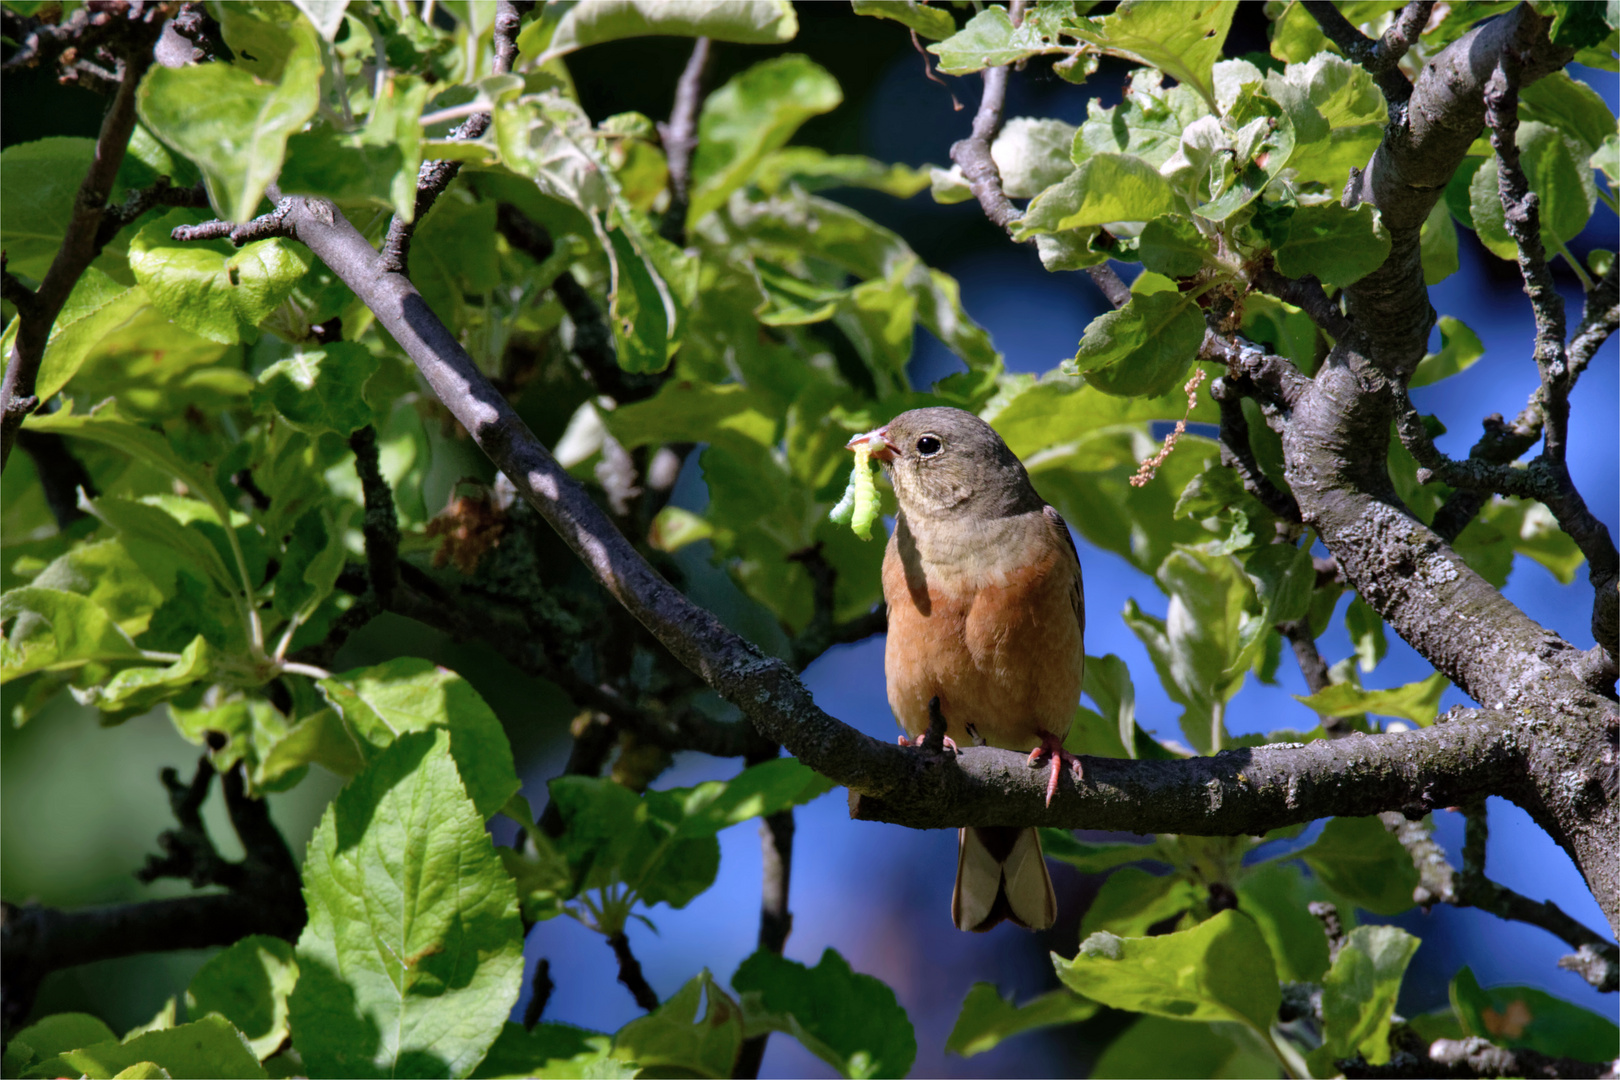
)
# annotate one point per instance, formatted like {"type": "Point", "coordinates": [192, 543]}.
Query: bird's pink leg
{"type": "Point", "coordinates": [1052, 746]}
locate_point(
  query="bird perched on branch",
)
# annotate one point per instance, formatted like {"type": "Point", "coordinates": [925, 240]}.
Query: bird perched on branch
{"type": "Point", "coordinates": [986, 615]}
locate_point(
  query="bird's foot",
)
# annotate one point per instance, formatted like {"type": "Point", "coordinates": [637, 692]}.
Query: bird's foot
{"type": "Point", "coordinates": [1052, 746]}
{"type": "Point", "coordinates": [921, 741]}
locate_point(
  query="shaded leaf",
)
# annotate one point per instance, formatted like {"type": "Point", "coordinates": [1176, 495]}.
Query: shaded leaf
{"type": "Point", "coordinates": [413, 954]}
{"type": "Point", "coordinates": [1359, 991]}
{"type": "Point", "coordinates": [1360, 860]}
{"type": "Point", "coordinates": [685, 1036]}
{"type": "Point", "coordinates": [987, 1019]}
{"type": "Point", "coordinates": [851, 1021]}
{"type": "Point", "coordinates": [248, 984]}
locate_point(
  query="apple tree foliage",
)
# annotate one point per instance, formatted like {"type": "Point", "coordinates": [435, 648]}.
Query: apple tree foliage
{"type": "Point", "coordinates": [231, 469]}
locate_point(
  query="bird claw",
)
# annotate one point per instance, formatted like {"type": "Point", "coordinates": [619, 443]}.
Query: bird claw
{"type": "Point", "coordinates": [1051, 746]}
{"type": "Point", "coordinates": [950, 743]}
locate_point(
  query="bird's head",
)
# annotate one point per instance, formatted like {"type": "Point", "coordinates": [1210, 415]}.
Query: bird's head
{"type": "Point", "coordinates": [947, 461]}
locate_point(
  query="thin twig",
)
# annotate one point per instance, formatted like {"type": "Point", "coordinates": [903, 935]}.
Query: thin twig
{"type": "Point", "coordinates": [540, 988]}
{"type": "Point", "coordinates": [1381, 58]}
{"type": "Point", "coordinates": [1474, 889]}
{"type": "Point", "coordinates": [775, 920]}
{"type": "Point", "coordinates": [1307, 294]}
{"type": "Point", "coordinates": [630, 972]}
{"type": "Point", "coordinates": [1237, 454]}
{"type": "Point", "coordinates": [78, 248]}
{"type": "Point", "coordinates": [381, 528]}
{"type": "Point", "coordinates": [680, 137]}
{"type": "Point", "coordinates": [434, 177]}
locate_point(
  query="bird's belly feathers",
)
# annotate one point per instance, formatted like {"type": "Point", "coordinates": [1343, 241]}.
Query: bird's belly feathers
{"type": "Point", "coordinates": [1003, 651]}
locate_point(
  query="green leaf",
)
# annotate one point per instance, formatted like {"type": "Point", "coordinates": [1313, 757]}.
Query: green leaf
{"type": "Point", "coordinates": [1361, 861]}
{"type": "Point", "coordinates": [989, 39]}
{"type": "Point", "coordinates": [1196, 648]}
{"type": "Point", "coordinates": [640, 322]}
{"type": "Point", "coordinates": [1342, 92]}
{"type": "Point", "coordinates": [1090, 857]}
{"type": "Point", "coordinates": [1339, 246]}
{"type": "Point", "coordinates": [1147, 124]}
{"type": "Point", "coordinates": [1183, 40]}
{"type": "Point", "coordinates": [136, 689]}
{"type": "Point", "coordinates": [1143, 349]}
{"type": "Point", "coordinates": [613, 836]}
{"type": "Point", "coordinates": [814, 169]}
{"type": "Point", "coordinates": [758, 791]}
{"type": "Point", "coordinates": [697, 1032]}
{"type": "Point", "coordinates": [377, 164]}
{"type": "Point", "coordinates": [752, 115]}
{"type": "Point", "coordinates": [53, 1035]}
{"type": "Point", "coordinates": [233, 123]}
{"type": "Point", "coordinates": [1283, 577]}
{"type": "Point", "coordinates": [319, 738]}
{"type": "Point", "coordinates": [1132, 900]}
{"type": "Point", "coordinates": [929, 22]}
{"type": "Point", "coordinates": [1359, 991]}
{"type": "Point", "coordinates": [1460, 348]}
{"type": "Point", "coordinates": [407, 694]}
{"type": "Point", "coordinates": [320, 390]}
{"type": "Point", "coordinates": [1032, 155]}
{"type": "Point", "coordinates": [38, 184]}
{"type": "Point", "coordinates": [695, 412]}
{"type": "Point", "coordinates": [1524, 1017]}
{"type": "Point", "coordinates": [1607, 158]}
{"type": "Point", "coordinates": [1157, 1047]}
{"type": "Point", "coordinates": [97, 307]}
{"type": "Point", "coordinates": [1418, 702]}
{"type": "Point", "coordinates": [769, 22]}
{"type": "Point", "coordinates": [151, 523]}
{"type": "Point", "coordinates": [1439, 245]}
{"type": "Point", "coordinates": [209, 287]}
{"type": "Point", "coordinates": [104, 425]}
{"type": "Point", "coordinates": [1172, 245]}
{"type": "Point", "coordinates": [551, 1050]}
{"type": "Point", "coordinates": [248, 984]}
{"type": "Point", "coordinates": [107, 573]}
{"type": "Point", "coordinates": [1104, 188]}
{"type": "Point", "coordinates": [1108, 684]}
{"type": "Point", "coordinates": [851, 1021]}
{"type": "Point", "coordinates": [1275, 896]}
{"type": "Point", "coordinates": [205, 1048]}
{"type": "Point", "coordinates": [1366, 630]}
{"type": "Point", "coordinates": [50, 630]}
{"type": "Point", "coordinates": [1570, 105]}
{"type": "Point", "coordinates": [413, 954]}
{"type": "Point", "coordinates": [1558, 171]}
{"type": "Point", "coordinates": [987, 1019]}
{"type": "Point", "coordinates": [1220, 969]}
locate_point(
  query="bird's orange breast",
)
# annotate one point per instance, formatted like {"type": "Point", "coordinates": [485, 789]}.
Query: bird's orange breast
{"type": "Point", "coordinates": [1002, 648]}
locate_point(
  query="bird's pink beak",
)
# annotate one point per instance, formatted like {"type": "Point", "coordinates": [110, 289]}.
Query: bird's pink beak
{"type": "Point", "coordinates": [882, 447]}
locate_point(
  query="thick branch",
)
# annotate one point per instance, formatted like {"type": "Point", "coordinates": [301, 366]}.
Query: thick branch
{"type": "Point", "coordinates": [79, 247]}
{"type": "Point", "coordinates": [1468, 1059]}
{"type": "Point", "coordinates": [679, 137]}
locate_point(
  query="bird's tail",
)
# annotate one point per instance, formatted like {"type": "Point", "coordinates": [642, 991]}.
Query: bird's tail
{"type": "Point", "coordinates": [1001, 874]}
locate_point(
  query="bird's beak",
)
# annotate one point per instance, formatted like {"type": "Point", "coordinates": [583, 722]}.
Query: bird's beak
{"type": "Point", "coordinates": [882, 448]}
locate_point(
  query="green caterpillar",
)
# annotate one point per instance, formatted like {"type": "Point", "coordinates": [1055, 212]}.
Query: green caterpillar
{"type": "Point", "coordinates": [859, 506]}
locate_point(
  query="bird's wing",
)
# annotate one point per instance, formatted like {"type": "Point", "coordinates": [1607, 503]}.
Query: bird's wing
{"type": "Point", "coordinates": [1077, 594]}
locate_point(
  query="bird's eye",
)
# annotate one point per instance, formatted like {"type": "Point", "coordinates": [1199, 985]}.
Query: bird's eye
{"type": "Point", "coordinates": [929, 445]}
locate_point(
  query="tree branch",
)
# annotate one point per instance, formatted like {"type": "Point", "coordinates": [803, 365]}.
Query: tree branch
{"type": "Point", "coordinates": [264, 897]}
{"type": "Point", "coordinates": [679, 137]}
{"type": "Point", "coordinates": [1467, 1059]}
{"type": "Point", "coordinates": [775, 920]}
{"type": "Point", "coordinates": [630, 972]}
{"type": "Point", "coordinates": [1474, 889]}
{"type": "Point", "coordinates": [61, 474]}
{"type": "Point", "coordinates": [381, 528]}
{"type": "Point", "coordinates": [1237, 454]}
{"type": "Point", "coordinates": [433, 178]}
{"type": "Point", "coordinates": [1381, 58]}
{"type": "Point", "coordinates": [140, 30]}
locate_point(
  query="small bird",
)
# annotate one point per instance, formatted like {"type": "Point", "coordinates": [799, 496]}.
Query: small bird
{"type": "Point", "coordinates": [986, 614]}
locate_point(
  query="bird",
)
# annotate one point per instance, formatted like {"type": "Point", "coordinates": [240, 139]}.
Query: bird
{"type": "Point", "coordinates": [986, 626]}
